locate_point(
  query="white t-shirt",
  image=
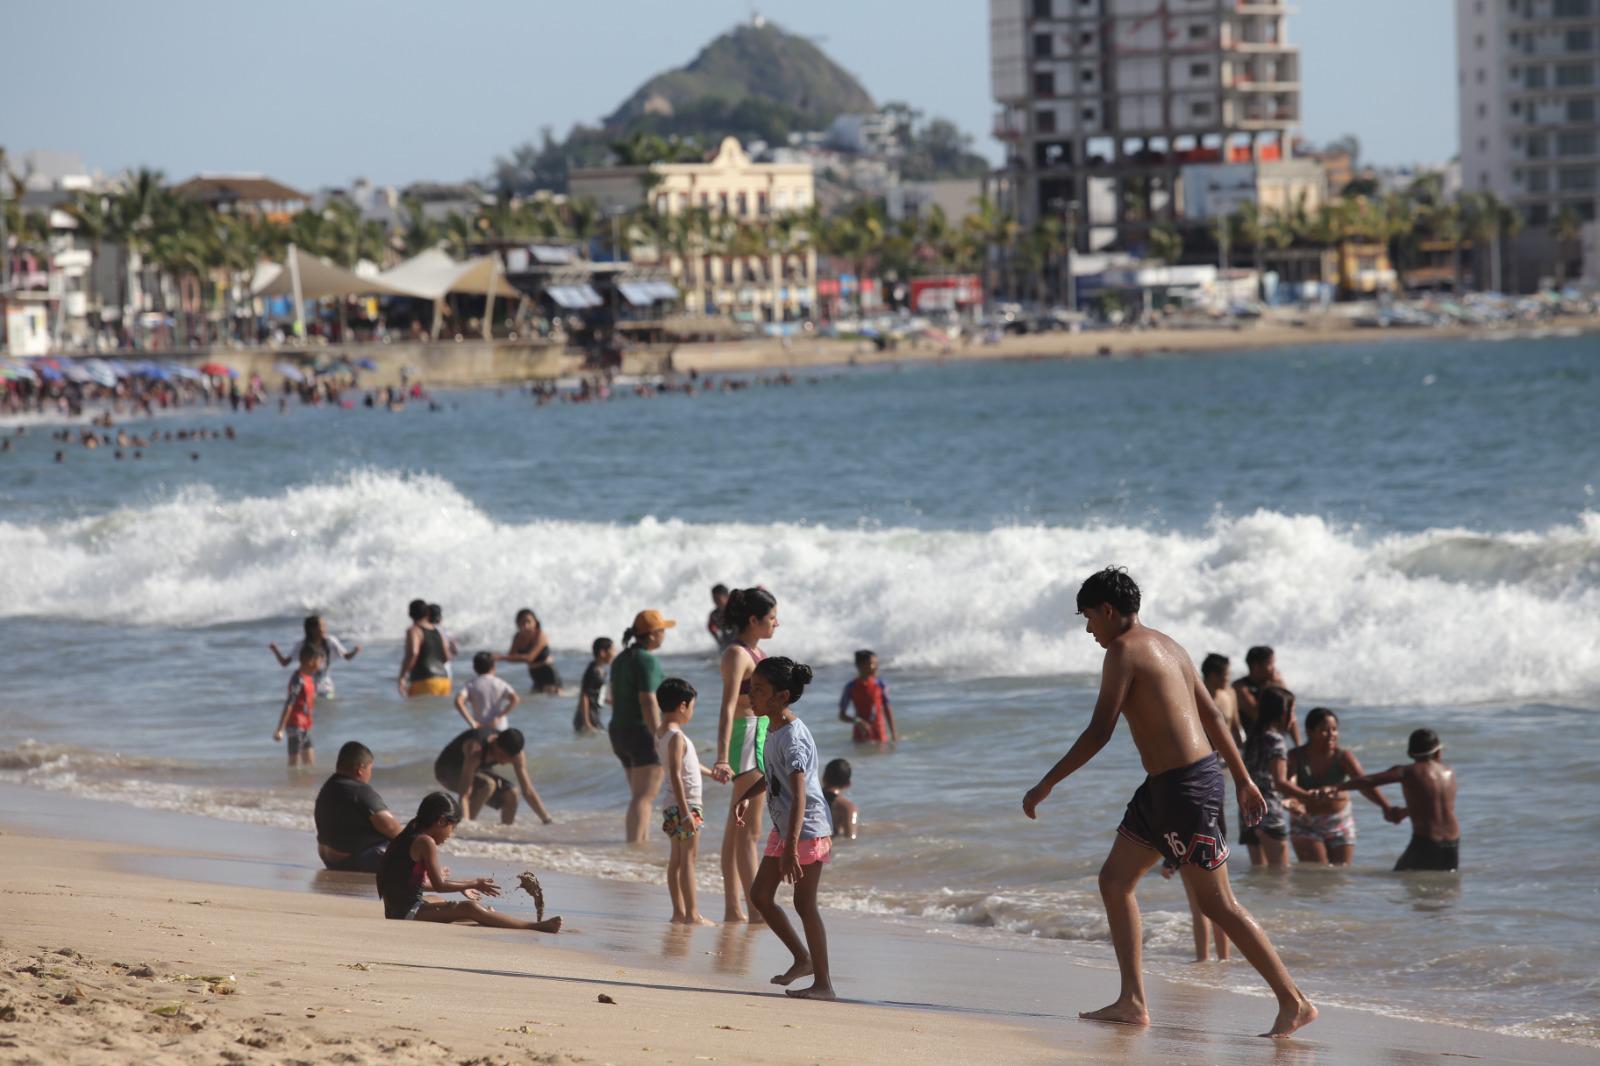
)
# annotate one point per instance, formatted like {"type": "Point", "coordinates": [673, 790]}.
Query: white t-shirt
{"type": "Point", "coordinates": [691, 766]}
{"type": "Point", "coordinates": [324, 676]}
{"type": "Point", "coordinates": [485, 693]}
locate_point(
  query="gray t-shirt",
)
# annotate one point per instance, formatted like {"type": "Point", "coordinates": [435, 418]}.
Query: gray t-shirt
{"type": "Point", "coordinates": [1260, 754]}
{"type": "Point", "coordinates": [790, 749]}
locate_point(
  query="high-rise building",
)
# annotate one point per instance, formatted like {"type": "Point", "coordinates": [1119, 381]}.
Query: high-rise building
{"type": "Point", "coordinates": [1102, 102]}
{"type": "Point", "coordinates": [1530, 115]}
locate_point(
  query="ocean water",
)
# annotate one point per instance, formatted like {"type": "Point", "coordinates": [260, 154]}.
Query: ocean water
{"type": "Point", "coordinates": [1413, 525]}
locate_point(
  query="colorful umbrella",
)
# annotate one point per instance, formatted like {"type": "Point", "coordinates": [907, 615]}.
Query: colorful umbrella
{"type": "Point", "coordinates": [290, 371]}
{"type": "Point", "coordinates": [366, 364]}
{"type": "Point", "coordinates": [217, 370]}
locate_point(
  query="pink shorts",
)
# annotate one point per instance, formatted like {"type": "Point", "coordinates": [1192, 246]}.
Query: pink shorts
{"type": "Point", "coordinates": [811, 851]}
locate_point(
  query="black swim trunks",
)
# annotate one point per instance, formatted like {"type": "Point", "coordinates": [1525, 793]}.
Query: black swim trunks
{"type": "Point", "coordinates": [543, 675]}
{"type": "Point", "coordinates": [1422, 854]}
{"type": "Point", "coordinates": [1179, 814]}
{"type": "Point", "coordinates": [634, 745]}
{"type": "Point", "coordinates": [499, 788]}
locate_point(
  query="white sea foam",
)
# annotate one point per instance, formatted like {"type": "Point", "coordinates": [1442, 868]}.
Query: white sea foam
{"type": "Point", "coordinates": [1445, 616]}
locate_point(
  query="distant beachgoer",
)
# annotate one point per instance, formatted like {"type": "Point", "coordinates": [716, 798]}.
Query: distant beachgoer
{"type": "Point", "coordinates": [463, 767]}
{"type": "Point", "coordinates": [683, 817]}
{"type": "Point", "coordinates": [741, 737]}
{"type": "Point", "coordinates": [529, 645]}
{"type": "Point", "coordinates": [295, 719]}
{"type": "Point", "coordinates": [484, 702]}
{"type": "Point", "coordinates": [412, 862]}
{"type": "Point", "coordinates": [636, 717]}
{"type": "Point", "coordinates": [867, 695]}
{"type": "Point", "coordinates": [1261, 670]}
{"type": "Point", "coordinates": [316, 633]}
{"type": "Point", "coordinates": [591, 690]}
{"type": "Point", "coordinates": [422, 671]}
{"type": "Point", "coordinates": [1266, 756]}
{"type": "Point", "coordinates": [1430, 791]}
{"type": "Point", "coordinates": [717, 623]}
{"type": "Point", "coordinates": [1324, 831]}
{"type": "Point", "coordinates": [354, 825]}
{"type": "Point", "coordinates": [802, 829]}
{"type": "Point", "coordinates": [1179, 734]}
{"type": "Point", "coordinates": [451, 648]}
{"type": "Point", "coordinates": [841, 808]}
{"type": "Point", "coordinates": [1214, 672]}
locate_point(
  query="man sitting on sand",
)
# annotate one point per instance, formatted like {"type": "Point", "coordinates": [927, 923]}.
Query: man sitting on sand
{"type": "Point", "coordinates": [1178, 731]}
{"type": "Point", "coordinates": [354, 825]}
{"type": "Point", "coordinates": [1430, 790]}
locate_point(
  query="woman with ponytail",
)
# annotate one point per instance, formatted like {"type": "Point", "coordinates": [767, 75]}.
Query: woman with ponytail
{"type": "Point", "coordinates": [413, 859]}
{"type": "Point", "coordinates": [752, 615]}
{"type": "Point", "coordinates": [636, 717]}
{"type": "Point", "coordinates": [802, 828]}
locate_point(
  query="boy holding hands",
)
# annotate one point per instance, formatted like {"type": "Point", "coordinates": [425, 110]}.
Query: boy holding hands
{"type": "Point", "coordinates": [683, 817]}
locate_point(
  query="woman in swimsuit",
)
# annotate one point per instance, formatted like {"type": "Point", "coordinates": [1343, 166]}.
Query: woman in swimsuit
{"type": "Point", "coordinates": [529, 645]}
{"type": "Point", "coordinates": [1326, 832]}
{"type": "Point", "coordinates": [741, 735]}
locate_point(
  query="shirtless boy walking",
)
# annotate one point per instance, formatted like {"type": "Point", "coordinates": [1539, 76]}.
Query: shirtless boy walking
{"type": "Point", "coordinates": [1178, 732]}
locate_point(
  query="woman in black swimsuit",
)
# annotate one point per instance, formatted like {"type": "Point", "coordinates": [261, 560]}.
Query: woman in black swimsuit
{"type": "Point", "coordinates": [529, 645]}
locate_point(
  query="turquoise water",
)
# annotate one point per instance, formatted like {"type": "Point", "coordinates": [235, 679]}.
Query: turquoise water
{"type": "Point", "coordinates": [1412, 525]}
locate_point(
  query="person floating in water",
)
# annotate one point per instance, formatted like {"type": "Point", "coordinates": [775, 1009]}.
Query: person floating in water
{"type": "Point", "coordinates": [1430, 790]}
{"type": "Point", "coordinates": [1174, 814]}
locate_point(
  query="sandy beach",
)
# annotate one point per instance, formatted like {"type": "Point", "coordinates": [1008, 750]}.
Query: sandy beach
{"type": "Point", "coordinates": [124, 951]}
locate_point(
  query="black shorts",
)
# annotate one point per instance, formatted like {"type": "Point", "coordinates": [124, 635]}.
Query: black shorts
{"type": "Point", "coordinates": [1179, 814]}
{"type": "Point", "coordinates": [365, 861]}
{"type": "Point", "coordinates": [634, 745]}
{"type": "Point", "coordinates": [543, 675]}
{"type": "Point", "coordinates": [499, 788]}
{"type": "Point", "coordinates": [1423, 854]}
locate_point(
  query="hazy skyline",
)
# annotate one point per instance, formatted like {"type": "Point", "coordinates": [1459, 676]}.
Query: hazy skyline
{"type": "Point", "coordinates": [403, 90]}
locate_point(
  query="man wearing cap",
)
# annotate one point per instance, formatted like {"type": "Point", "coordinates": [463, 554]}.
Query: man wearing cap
{"type": "Point", "coordinates": [1430, 790]}
{"type": "Point", "coordinates": [635, 716]}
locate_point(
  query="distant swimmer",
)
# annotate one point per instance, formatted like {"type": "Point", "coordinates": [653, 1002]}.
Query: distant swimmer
{"type": "Point", "coordinates": [422, 671]}
{"type": "Point", "coordinates": [717, 622]}
{"type": "Point", "coordinates": [1430, 790]}
{"type": "Point", "coordinates": [1174, 814]}
{"type": "Point", "coordinates": [1214, 672]}
{"type": "Point", "coordinates": [865, 703]}
{"type": "Point", "coordinates": [530, 646]}
{"type": "Point", "coordinates": [316, 634]}
{"type": "Point", "coordinates": [1261, 670]}
{"type": "Point", "coordinates": [451, 648]}
{"type": "Point", "coordinates": [591, 690]}
{"type": "Point", "coordinates": [835, 783]}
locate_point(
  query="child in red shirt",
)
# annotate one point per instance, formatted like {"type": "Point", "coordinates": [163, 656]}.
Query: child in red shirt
{"type": "Point", "coordinates": [869, 696]}
{"type": "Point", "coordinates": [295, 721]}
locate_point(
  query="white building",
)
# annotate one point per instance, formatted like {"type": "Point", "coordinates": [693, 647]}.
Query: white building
{"type": "Point", "coordinates": [1121, 94]}
{"type": "Point", "coordinates": [1529, 72]}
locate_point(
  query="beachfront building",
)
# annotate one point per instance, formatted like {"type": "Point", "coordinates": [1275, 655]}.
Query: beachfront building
{"type": "Point", "coordinates": [1103, 102]}
{"type": "Point", "coordinates": [729, 239]}
{"type": "Point", "coordinates": [245, 194]}
{"type": "Point", "coordinates": [1529, 72]}
{"type": "Point", "coordinates": [1209, 191]}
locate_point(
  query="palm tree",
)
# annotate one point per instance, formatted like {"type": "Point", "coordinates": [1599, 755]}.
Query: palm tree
{"type": "Point", "coordinates": [92, 211]}
{"type": "Point", "coordinates": [138, 211]}
{"type": "Point", "coordinates": [1166, 244]}
{"type": "Point", "coordinates": [1567, 230]}
{"type": "Point", "coordinates": [1445, 221]}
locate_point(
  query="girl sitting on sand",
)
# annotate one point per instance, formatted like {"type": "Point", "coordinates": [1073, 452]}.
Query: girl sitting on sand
{"type": "Point", "coordinates": [802, 828]}
{"type": "Point", "coordinates": [414, 856]}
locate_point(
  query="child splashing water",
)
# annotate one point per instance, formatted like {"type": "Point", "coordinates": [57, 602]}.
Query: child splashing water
{"type": "Point", "coordinates": [802, 829]}
{"type": "Point", "coordinates": [413, 859]}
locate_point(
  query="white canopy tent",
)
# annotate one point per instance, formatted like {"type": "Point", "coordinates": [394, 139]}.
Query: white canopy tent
{"type": "Point", "coordinates": [434, 275]}
{"type": "Point", "coordinates": [311, 277]}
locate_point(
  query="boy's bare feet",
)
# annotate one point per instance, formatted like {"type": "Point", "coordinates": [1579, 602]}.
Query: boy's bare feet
{"type": "Point", "coordinates": [1125, 1012]}
{"type": "Point", "coordinates": [794, 973]}
{"type": "Point", "coordinates": [813, 992]}
{"type": "Point", "coordinates": [549, 925]}
{"type": "Point", "coordinates": [734, 918]}
{"type": "Point", "coordinates": [1291, 1017]}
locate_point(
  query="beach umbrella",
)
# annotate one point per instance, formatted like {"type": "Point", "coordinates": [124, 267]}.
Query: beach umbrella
{"type": "Point", "coordinates": [290, 371]}
{"type": "Point", "coordinates": [77, 374]}
{"type": "Point", "coordinates": [13, 372]}
{"type": "Point", "coordinates": [217, 370]}
{"type": "Point", "coordinates": [100, 373]}
{"type": "Point", "coordinates": [185, 372]}
{"type": "Point", "coordinates": [48, 373]}
{"type": "Point", "coordinates": [366, 364]}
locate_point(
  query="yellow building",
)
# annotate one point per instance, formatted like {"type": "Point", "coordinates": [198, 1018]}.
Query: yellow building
{"type": "Point", "coordinates": [731, 249]}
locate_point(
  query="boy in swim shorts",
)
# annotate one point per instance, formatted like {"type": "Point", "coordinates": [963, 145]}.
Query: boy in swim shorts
{"type": "Point", "coordinates": [1174, 813]}
{"type": "Point", "coordinates": [1430, 790]}
{"type": "Point", "coordinates": [683, 817]}
{"type": "Point", "coordinates": [294, 723]}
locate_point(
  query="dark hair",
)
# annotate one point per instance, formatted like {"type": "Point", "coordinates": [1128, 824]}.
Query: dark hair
{"type": "Point", "coordinates": [1258, 654]}
{"type": "Point", "coordinates": [434, 808]}
{"type": "Point", "coordinates": [747, 605]}
{"type": "Point", "coordinates": [786, 675]}
{"type": "Point", "coordinates": [627, 637]}
{"type": "Point", "coordinates": [311, 623]}
{"type": "Point", "coordinates": [674, 693]}
{"type": "Point", "coordinates": [1317, 716]}
{"type": "Point", "coordinates": [601, 644]}
{"type": "Point", "coordinates": [1274, 707]}
{"type": "Point", "coordinates": [435, 613]}
{"type": "Point", "coordinates": [483, 662]}
{"type": "Point", "coordinates": [353, 755]}
{"type": "Point", "coordinates": [865, 656]}
{"type": "Point", "coordinates": [510, 741]}
{"type": "Point", "coordinates": [526, 612]}
{"type": "Point", "coordinates": [418, 610]}
{"type": "Point", "coordinates": [1424, 744]}
{"type": "Point", "coordinates": [719, 590]}
{"type": "Point", "coordinates": [1111, 585]}
{"type": "Point", "coordinates": [836, 774]}
{"type": "Point", "coordinates": [1213, 664]}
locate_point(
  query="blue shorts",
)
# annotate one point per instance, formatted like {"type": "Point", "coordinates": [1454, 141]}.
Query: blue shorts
{"type": "Point", "coordinates": [1179, 814]}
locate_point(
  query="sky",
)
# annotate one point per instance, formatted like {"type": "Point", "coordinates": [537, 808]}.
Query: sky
{"type": "Point", "coordinates": [318, 93]}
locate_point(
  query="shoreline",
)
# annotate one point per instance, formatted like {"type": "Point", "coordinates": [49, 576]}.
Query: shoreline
{"type": "Point", "coordinates": [182, 893]}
